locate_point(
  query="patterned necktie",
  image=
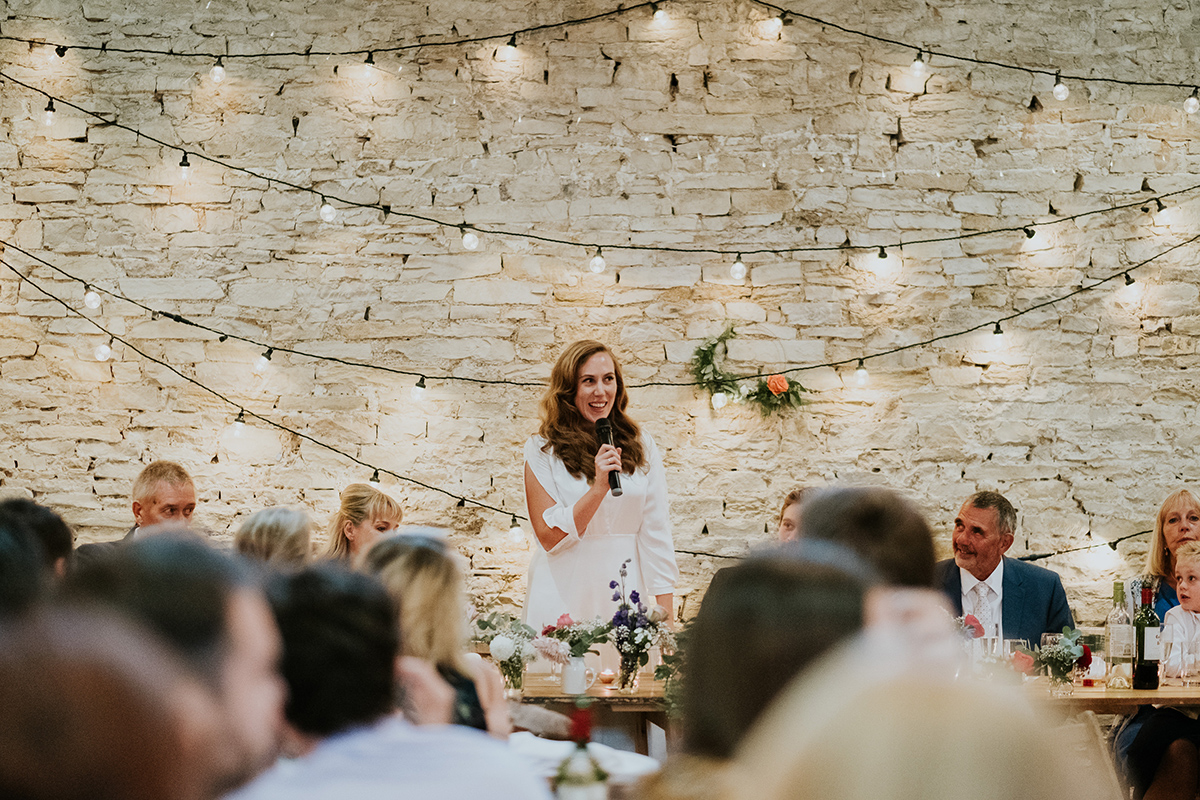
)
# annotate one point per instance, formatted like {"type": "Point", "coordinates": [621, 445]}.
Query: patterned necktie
{"type": "Point", "coordinates": [983, 609]}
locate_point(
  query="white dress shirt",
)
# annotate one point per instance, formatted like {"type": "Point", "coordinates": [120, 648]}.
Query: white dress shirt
{"type": "Point", "coordinates": [995, 584]}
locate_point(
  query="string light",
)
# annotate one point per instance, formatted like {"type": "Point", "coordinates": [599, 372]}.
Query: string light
{"type": "Point", "coordinates": [511, 46]}
{"type": "Point", "coordinates": [1192, 104]}
{"type": "Point", "coordinates": [61, 51]}
{"type": "Point", "coordinates": [264, 361]}
{"type": "Point", "coordinates": [370, 58]}
{"type": "Point", "coordinates": [657, 12]}
{"type": "Point", "coordinates": [719, 400]}
{"type": "Point", "coordinates": [418, 390]}
{"type": "Point", "coordinates": [1129, 279]}
{"type": "Point", "coordinates": [374, 478]}
{"type": "Point", "coordinates": [239, 424]}
{"type": "Point", "coordinates": [918, 64]}
{"type": "Point", "coordinates": [217, 73]}
{"type": "Point", "coordinates": [49, 118]}
{"type": "Point", "coordinates": [883, 252]}
{"type": "Point", "coordinates": [998, 330]}
{"type": "Point", "coordinates": [104, 351]}
{"type": "Point", "coordinates": [597, 264]}
{"type": "Point", "coordinates": [737, 270]}
{"type": "Point", "coordinates": [515, 532]}
{"type": "Point", "coordinates": [328, 212]}
{"type": "Point", "coordinates": [185, 168]}
{"type": "Point", "coordinates": [91, 298]}
{"type": "Point", "coordinates": [470, 239]}
{"type": "Point", "coordinates": [1061, 91]}
{"type": "Point", "coordinates": [860, 374]}
{"type": "Point", "coordinates": [1029, 232]}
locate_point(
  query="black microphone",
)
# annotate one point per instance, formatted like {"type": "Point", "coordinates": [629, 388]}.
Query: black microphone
{"type": "Point", "coordinates": [604, 434]}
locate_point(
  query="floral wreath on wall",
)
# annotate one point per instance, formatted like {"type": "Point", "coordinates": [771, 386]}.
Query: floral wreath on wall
{"type": "Point", "coordinates": [770, 394]}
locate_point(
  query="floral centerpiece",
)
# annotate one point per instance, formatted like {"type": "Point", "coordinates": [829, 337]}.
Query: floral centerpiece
{"type": "Point", "coordinates": [969, 627]}
{"type": "Point", "coordinates": [1059, 659]}
{"type": "Point", "coordinates": [510, 643]}
{"type": "Point", "coordinates": [634, 631]}
{"type": "Point", "coordinates": [567, 639]}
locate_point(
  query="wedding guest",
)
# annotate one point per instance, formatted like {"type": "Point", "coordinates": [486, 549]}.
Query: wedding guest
{"type": "Point", "coordinates": [278, 536]}
{"type": "Point", "coordinates": [206, 606]}
{"type": "Point", "coordinates": [345, 737]}
{"type": "Point", "coordinates": [94, 708]}
{"type": "Point", "coordinates": [364, 515]}
{"type": "Point", "coordinates": [584, 531]}
{"type": "Point", "coordinates": [163, 496]}
{"type": "Point", "coordinates": [423, 577]}
{"type": "Point", "coordinates": [789, 515]}
{"type": "Point", "coordinates": [23, 580]}
{"type": "Point", "coordinates": [55, 536]}
{"type": "Point", "coordinates": [1012, 599]}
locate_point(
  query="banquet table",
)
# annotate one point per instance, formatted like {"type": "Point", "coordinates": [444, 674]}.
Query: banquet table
{"type": "Point", "coordinates": [633, 711]}
{"type": "Point", "coordinates": [1121, 701]}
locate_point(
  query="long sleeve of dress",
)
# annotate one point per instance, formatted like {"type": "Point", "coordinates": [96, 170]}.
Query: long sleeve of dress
{"type": "Point", "coordinates": [656, 547]}
{"type": "Point", "coordinates": [560, 515]}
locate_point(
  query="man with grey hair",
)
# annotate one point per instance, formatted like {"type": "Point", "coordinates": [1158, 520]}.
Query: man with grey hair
{"type": "Point", "coordinates": [1011, 599]}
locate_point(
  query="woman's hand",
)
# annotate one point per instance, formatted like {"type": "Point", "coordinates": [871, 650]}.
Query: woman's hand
{"type": "Point", "coordinates": [608, 459]}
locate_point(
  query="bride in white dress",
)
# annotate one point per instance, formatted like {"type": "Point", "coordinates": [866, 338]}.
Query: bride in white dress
{"type": "Point", "coordinates": [583, 532]}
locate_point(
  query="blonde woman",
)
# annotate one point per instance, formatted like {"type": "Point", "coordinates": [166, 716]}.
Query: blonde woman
{"type": "Point", "coordinates": [280, 536]}
{"type": "Point", "coordinates": [364, 515]}
{"type": "Point", "coordinates": [422, 574]}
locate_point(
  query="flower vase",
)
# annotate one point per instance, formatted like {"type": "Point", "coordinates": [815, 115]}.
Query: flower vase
{"type": "Point", "coordinates": [1061, 687]}
{"type": "Point", "coordinates": [513, 672]}
{"type": "Point", "coordinates": [627, 678]}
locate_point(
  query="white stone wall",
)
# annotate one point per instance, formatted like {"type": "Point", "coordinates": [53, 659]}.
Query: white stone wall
{"type": "Point", "coordinates": [709, 128]}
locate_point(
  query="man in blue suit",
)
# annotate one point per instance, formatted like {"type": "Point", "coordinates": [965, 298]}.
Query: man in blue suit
{"type": "Point", "coordinates": [1011, 599]}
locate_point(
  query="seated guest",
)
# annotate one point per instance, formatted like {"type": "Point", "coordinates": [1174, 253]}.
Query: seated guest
{"type": "Point", "coordinates": [761, 625]}
{"type": "Point", "coordinates": [94, 708]}
{"type": "Point", "coordinates": [789, 515]}
{"type": "Point", "coordinates": [364, 515]}
{"type": "Point", "coordinates": [56, 538]}
{"type": "Point", "coordinates": [206, 607]}
{"type": "Point", "coordinates": [421, 574]}
{"type": "Point", "coordinates": [163, 494]}
{"type": "Point", "coordinates": [23, 580]}
{"type": "Point", "coordinates": [279, 536]}
{"type": "Point", "coordinates": [1012, 599]}
{"type": "Point", "coordinates": [348, 741]}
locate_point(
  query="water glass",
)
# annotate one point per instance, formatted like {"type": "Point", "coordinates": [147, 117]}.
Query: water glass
{"type": "Point", "coordinates": [1190, 662]}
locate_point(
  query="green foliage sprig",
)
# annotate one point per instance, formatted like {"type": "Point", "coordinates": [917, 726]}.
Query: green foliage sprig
{"type": "Point", "coordinates": [770, 394]}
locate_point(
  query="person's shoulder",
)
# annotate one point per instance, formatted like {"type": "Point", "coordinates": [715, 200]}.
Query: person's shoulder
{"type": "Point", "coordinates": [535, 447]}
{"type": "Point", "coordinates": [942, 569]}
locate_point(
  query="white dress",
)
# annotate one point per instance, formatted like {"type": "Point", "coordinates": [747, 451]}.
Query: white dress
{"type": "Point", "coordinates": [574, 576]}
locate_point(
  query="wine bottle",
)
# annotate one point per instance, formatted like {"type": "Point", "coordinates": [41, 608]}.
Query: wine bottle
{"type": "Point", "coordinates": [1118, 635]}
{"type": "Point", "coordinates": [1149, 650]}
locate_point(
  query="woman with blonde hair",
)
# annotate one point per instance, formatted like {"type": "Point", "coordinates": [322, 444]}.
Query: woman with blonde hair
{"type": "Point", "coordinates": [365, 514]}
{"type": "Point", "coordinates": [585, 530]}
{"type": "Point", "coordinates": [280, 536]}
{"type": "Point", "coordinates": [422, 575]}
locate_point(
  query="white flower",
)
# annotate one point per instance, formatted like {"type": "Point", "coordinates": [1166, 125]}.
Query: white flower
{"type": "Point", "coordinates": [502, 648]}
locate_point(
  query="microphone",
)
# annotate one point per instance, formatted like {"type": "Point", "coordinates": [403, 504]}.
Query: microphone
{"type": "Point", "coordinates": [604, 434]}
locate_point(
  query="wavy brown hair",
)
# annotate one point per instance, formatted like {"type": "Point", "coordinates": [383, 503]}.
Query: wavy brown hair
{"type": "Point", "coordinates": [571, 437]}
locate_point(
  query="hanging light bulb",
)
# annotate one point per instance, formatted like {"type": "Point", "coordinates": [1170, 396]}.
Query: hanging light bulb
{"type": "Point", "coordinates": [91, 298]}
{"type": "Point", "coordinates": [61, 51]}
{"type": "Point", "coordinates": [657, 12]}
{"type": "Point", "coordinates": [239, 424]}
{"type": "Point", "coordinates": [1061, 92]}
{"type": "Point", "coordinates": [515, 532]}
{"type": "Point", "coordinates": [719, 400]}
{"type": "Point", "coordinates": [1192, 104]}
{"type": "Point", "coordinates": [597, 264]}
{"type": "Point", "coordinates": [370, 58]}
{"type": "Point", "coordinates": [103, 351]}
{"type": "Point", "coordinates": [264, 361]}
{"type": "Point", "coordinates": [998, 331]}
{"type": "Point", "coordinates": [418, 390]}
{"type": "Point", "coordinates": [737, 270]}
{"type": "Point", "coordinates": [49, 118]}
{"type": "Point", "coordinates": [217, 73]}
{"type": "Point", "coordinates": [1128, 279]}
{"type": "Point", "coordinates": [918, 64]}
{"type": "Point", "coordinates": [1029, 232]}
{"type": "Point", "coordinates": [470, 239]}
{"type": "Point", "coordinates": [511, 47]}
{"type": "Point", "coordinates": [374, 478]}
{"type": "Point", "coordinates": [185, 169]}
{"type": "Point", "coordinates": [860, 374]}
{"type": "Point", "coordinates": [328, 212]}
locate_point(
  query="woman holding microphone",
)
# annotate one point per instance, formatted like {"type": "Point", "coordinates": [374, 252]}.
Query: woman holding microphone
{"type": "Point", "coordinates": [585, 529]}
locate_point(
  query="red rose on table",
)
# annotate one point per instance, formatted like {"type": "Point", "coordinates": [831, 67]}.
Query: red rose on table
{"type": "Point", "coordinates": [1085, 660]}
{"type": "Point", "coordinates": [974, 624]}
{"type": "Point", "coordinates": [1022, 662]}
{"type": "Point", "coordinates": [546, 631]}
{"type": "Point", "coordinates": [777, 384]}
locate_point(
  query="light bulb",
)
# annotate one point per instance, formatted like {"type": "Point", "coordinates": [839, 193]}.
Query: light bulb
{"type": "Point", "coordinates": [61, 51]}
{"type": "Point", "coordinates": [737, 270]}
{"type": "Point", "coordinates": [719, 400]}
{"type": "Point", "coordinates": [239, 424]}
{"type": "Point", "coordinates": [418, 390]}
{"type": "Point", "coordinates": [264, 361]}
{"type": "Point", "coordinates": [328, 212]}
{"type": "Point", "coordinates": [185, 169]}
{"type": "Point", "coordinates": [918, 65]}
{"type": "Point", "coordinates": [1029, 233]}
{"type": "Point", "coordinates": [1192, 104]}
{"type": "Point", "coordinates": [470, 240]}
{"type": "Point", "coordinates": [103, 352]}
{"type": "Point", "coordinates": [49, 118]}
{"type": "Point", "coordinates": [1061, 92]}
{"type": "Point", "coordinates": [374, 479]}
{"type": "Point", "coordinates": [597, 264]}
{"type": "Point", "coordinates": [91, 298]}
{"type": "Point", "coordinates": [515, 532]}
{"type": "Point", "coordinates": [998, 331]}
{"type": "Point", "coordinates": [217, 73]}
{"type": "Point", "coordinates": [860, 374]}
{"type": "Point", "coordinates": [657, 12]}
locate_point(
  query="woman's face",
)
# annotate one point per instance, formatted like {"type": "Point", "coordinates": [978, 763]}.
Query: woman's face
{"type": "Point", "coordinates": [367, 533]}
{"type": "Point", "coordinates": [1181, 523]}
{"type": "Point", "coordinates": [596, 387]}
{"type": "Point", "coordinates": [789, 522]}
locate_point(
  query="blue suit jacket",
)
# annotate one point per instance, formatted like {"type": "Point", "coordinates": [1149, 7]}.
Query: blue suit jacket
{"type": "Point", "coordinates": [1034, 600]}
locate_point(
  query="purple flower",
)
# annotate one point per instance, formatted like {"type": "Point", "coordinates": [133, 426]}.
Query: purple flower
{"type": "Point", "coordinates": [616, 596]}
{"type": "Point", "coordinates": [633, 596]}
{"type": "Point", "coordinates": [612, 585]}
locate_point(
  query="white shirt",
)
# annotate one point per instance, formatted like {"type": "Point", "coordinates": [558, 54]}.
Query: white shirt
{"type": "Point", "coordinates": [995, 584]}
{"type": "Point", "coordinates": [395, 759]}
{"type": "Point", "coordinates": [1179, 627]}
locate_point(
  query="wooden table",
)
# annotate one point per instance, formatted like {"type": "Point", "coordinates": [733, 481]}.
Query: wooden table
{"type": "Point", "coordinates": [633, 711]}
{"type": "Point", "coordinates": [1120, 701]}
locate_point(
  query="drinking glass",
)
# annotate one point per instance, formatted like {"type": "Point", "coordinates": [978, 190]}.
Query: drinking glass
{"type": "Point", "coordinates": [1190, 661]}
{"type": "Point", "coordinates": [1170, 671]}
{"type": "Point", "coordinates": [1013, 646]}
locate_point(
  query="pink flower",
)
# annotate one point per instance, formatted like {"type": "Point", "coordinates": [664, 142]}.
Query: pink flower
{"type": "Point", "coordinates": [1022, 662]}
{"type": "Point", "coordinates": [974, 624]}
{"type": "Point", "coordinates": [564, 621]}
{"type": "Point", "coordinates": [777, 384]}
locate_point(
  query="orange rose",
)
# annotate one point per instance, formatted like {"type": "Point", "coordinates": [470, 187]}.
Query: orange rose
{"type": "Point", "coordinates": [777, 384]}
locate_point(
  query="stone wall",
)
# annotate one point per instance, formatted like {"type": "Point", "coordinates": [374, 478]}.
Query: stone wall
{"type": "Point", "coordinates": [714, 126]}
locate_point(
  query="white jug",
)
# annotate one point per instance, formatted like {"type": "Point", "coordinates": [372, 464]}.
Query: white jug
{"type": "Point", "coordinates": [576, 677]}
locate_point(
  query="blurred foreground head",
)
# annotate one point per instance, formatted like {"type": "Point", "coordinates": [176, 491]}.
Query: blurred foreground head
{"type": "Point", "coordinates": [93, 707]}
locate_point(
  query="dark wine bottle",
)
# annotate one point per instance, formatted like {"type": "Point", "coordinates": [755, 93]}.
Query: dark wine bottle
{"type": "Point", "coordinates": [1146, 626]}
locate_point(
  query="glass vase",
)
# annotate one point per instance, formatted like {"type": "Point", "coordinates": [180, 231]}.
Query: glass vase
{"type": "Point", "coordinates": [627, 678]}
{"type": "Point", "coordinates": [513, 672]}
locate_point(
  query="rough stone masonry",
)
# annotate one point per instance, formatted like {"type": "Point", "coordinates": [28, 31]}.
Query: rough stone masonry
{"type": "Point", "coordinates": [713, 125]}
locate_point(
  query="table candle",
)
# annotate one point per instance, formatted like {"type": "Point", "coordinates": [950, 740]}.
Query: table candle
{"type": "Point", "coordinates": [607, 676]}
